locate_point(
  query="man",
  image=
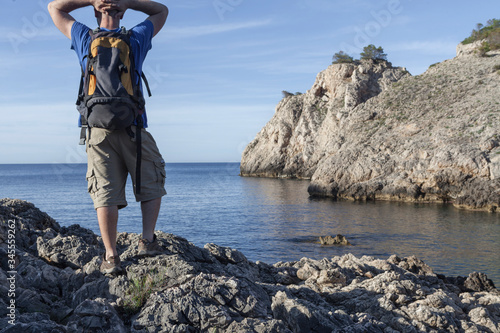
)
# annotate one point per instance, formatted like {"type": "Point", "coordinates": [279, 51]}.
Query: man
{"type": "Point", "coordinates": [112, 153]}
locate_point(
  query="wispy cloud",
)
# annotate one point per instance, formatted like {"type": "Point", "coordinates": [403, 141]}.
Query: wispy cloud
{"type": "Point", "coordinates": [425, 47]}
{"type": "Point", "coordinates": [211, 29]}
{"type": "Point", "coordinates": [337, 6]}
{"type": "Point", "coordinates": [191, 4]}
{"type": "Point", "coordinates": [10, 34]}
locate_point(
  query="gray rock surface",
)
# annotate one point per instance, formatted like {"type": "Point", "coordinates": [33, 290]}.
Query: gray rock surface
{"type": "Point", "coordinates": [337, 240]}
{"type": "Point", "coordinates": [369, 131]}
{"type": "Point", "coordinates": [217, 289]}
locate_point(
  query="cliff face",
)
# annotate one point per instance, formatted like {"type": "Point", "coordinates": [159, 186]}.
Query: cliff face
{"type": "Point", "coordinates": [370, 131]}
{"type": "Point", "coordinates": [305, 127]}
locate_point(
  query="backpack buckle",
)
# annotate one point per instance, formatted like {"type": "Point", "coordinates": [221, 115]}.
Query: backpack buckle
{"type": "Point", "coordinates": [83, 135]}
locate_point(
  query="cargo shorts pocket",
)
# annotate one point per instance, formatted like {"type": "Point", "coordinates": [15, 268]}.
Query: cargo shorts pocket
{"type": "Point", "coordinates": [96, 135]}
{"type": "Point", "coordinates": [91, 182]}
{"type": "Point", "coordinates": [161, 174]}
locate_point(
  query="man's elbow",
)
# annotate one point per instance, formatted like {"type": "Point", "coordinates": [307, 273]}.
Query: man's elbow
{"type": "Point", "coordinates": [164, 11]}
{"type": "Point", "coordinates": [51, 7]}
{"type": "Point", "coordinates": [161, 19]}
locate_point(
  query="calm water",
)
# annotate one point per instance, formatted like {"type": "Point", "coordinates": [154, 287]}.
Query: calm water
{"type": "Point", "coordinates": [273, 219]}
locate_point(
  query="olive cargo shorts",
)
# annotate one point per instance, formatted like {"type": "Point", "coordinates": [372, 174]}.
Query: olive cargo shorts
{"type": "Point", "coordinates": [111, 157]}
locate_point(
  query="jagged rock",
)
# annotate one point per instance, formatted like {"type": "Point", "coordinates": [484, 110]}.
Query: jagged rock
{"type": "Point", "coordinates": [73, 247]}
{"type": "Point", "coordinates": [95, 316]}
{"type": "Point", "coordinates": [32, 323]}
{"type": "Point", "coordinates": [225, 254]}
{"type": "Point", "coordinates": [337, 240]}
{"type": "Point", "coordinates": [92, 290]}
{"type": "Point", "coordinates": [216, 289]}
{"type": "Point", "coordinates": [308, 270]}
{"type": "Point", "coordinates": [320, 275]}
{"type": "Point", "coordinates": [478, 282]}
{"type": "Point", "coordinates": [469, 49]}
{"type": "Point", "coordinates": [368, 131]}
{"type": "Point", "coordinates": [45, 288]}
{"type": "Point", "coordinates": [258, 326]}
{"type": "Point", "coordinates": [28, 221]}
{"type": "Point", "coordinates": [203, 302]}
{"type": "Point", "coordinates": [302, 315]}
{"type": "Point", "coordinates": [414, 265]}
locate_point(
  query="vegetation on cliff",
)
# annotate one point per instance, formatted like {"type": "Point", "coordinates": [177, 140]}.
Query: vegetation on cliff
{"type": "Point", "coordinates": [369, 52]}
{"type": "Point", "coordinates": [489, 34]}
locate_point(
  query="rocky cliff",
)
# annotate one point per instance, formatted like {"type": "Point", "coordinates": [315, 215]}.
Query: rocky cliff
{"type": "Point", "coordinates": [367, 131]}
{"type": "Point", "coordinates": [58, 288]}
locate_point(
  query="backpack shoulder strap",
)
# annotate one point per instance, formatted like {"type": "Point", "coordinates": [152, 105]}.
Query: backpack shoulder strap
{"type": "Point", "coordinates": [143, 76]}
{"type": "Point", "coordinates": [81, 97]}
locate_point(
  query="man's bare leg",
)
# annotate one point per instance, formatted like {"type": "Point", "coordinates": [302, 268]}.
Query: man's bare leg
{"type": "Point", "coordinates": [150, 210]}
{"type": "Point", "coordinates": [108, 222]}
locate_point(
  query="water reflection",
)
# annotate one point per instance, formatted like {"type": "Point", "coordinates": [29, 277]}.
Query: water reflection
{"type": "Point", "coordinates": [452, 241]}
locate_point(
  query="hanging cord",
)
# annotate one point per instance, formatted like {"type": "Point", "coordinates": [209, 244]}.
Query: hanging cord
{"type": "Point", "coordinates": [138, 137]}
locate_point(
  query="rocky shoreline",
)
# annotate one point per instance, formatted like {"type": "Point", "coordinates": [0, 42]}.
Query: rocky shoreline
{"type": "Point", "coordinates": [58, 288]}
{"type": "Point", "coordinates": [370, 131]}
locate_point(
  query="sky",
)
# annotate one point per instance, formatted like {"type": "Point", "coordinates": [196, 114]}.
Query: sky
{"type": "Point", "coordinates": [216, 70]}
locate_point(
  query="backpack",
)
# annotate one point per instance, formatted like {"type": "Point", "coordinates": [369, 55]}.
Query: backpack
{"type": "Point", "coordinates": [109, 96]}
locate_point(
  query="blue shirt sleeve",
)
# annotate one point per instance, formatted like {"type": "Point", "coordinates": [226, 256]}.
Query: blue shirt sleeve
{"type": "Point", "coordinates": [142, 35]}
{"type": "Point", "coordinates": [80, 39]}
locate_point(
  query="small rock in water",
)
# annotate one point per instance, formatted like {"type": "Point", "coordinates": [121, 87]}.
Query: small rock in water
{"type": "Point", "coordinates": [337, 240]}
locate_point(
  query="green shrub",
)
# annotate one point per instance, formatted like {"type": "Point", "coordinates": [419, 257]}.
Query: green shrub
{"type": "Point", "coordinates": [140, 289]}
{"type": "Point", "coordinates": [494, 39]}
{"type": "Point", "coordinates": [286, 94]}
{"type": "Point", "coordinates": [490, 32]}
{"type": "Point", "coordinates": [484, 48]}
{"type": "Point", "coordinates": [342, 58]}
{"type": "Point", "coordinates": [373, 52]}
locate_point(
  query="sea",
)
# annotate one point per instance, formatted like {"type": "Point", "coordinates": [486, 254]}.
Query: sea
{"type": "Point", "coordinates": [273, 220]}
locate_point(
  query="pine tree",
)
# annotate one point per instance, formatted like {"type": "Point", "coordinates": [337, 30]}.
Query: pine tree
{"type": "Point", "coordinates": [342, 58]}
{"type": "Point", "coordinates": [373, 52]}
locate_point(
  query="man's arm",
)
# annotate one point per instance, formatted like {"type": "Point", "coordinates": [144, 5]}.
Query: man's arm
{"type": "Point", "coordinates": [157, 12]}
{"type": "Point", "coordinates": [59, 11]}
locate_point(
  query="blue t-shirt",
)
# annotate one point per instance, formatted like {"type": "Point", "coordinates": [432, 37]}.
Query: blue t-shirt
{"type": "Point", "coordinates": [140, 44]}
